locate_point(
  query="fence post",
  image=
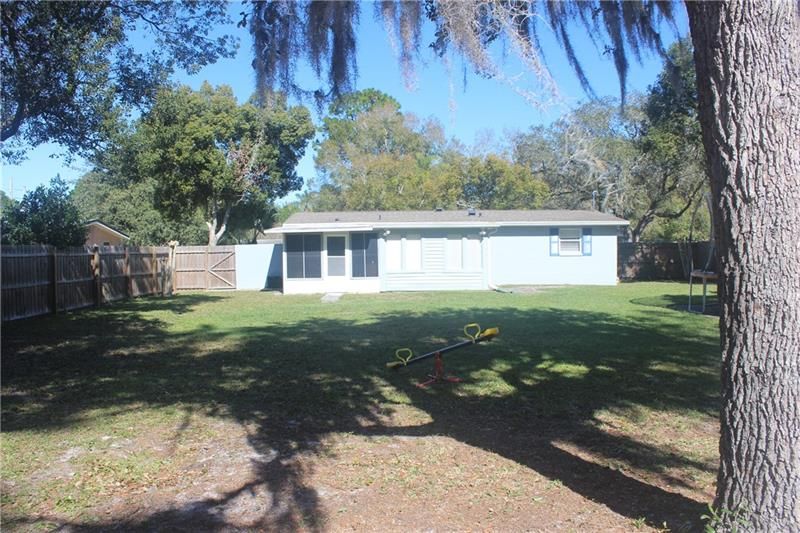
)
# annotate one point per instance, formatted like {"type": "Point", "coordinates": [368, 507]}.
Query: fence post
{"type": "Point", "coordinates": [154, 268]}
{"type": "Point", "coordinates": [172, 266]}
{"type": "Point", "coordinates": [128, 284]}
{"type": "Point", "coordinates": [205, 273]}
{"type": "Point", "coordinates": [98, 280]}
{"type": "Point", "coordinates": [54, 277]}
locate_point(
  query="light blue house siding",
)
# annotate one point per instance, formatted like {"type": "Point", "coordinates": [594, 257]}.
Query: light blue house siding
{"type": "Point", "coordinates": [447, 250]}
{"type": "Point", "coordinates": [522, 256]}
{"type": "Point", "coordinates": [258, 266]}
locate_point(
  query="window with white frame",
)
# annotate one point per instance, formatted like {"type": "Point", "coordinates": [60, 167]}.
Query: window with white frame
{"type": "Point", "coordinates": [364, 255]}
{"type": "Point", "coordinates": [336, 256]}
{"type": "Point", "coordinates": [570, 241]}
{"type": "Point", "coordinates": [303, 256]}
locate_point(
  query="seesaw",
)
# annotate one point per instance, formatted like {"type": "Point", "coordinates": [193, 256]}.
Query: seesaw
{"type": "Point", "coordinates": [406, 357]}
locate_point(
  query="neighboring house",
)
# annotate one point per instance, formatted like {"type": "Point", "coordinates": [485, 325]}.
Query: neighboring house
{"type": "Point", "coordinates": [446, 250]}
{"type": "Point", "coordinates": [103, 234]}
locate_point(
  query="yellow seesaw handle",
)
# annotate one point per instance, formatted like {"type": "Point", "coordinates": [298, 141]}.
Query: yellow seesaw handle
{"type": "Point", "coordinates": [491, 332]}
{"type": "Point", "coordinates": [476, 328]}
{"type": "Point", "coordinates": [402, 361]}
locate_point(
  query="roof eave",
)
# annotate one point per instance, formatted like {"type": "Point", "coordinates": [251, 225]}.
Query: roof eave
{"type": "Point", "coordinates": [333, 227]}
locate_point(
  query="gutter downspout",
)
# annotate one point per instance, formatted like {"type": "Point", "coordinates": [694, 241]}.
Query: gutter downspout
{"type": "Point", "coordinates": [487, 234]}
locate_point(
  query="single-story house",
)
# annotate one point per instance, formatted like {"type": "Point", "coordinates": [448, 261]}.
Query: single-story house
{"type": "Point", "coordinates": [376, 251]}
{"type": "Point", "coordinates": [101, 234]}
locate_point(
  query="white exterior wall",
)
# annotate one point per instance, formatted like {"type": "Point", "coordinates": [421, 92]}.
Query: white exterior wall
{"type": "Point", "coordinates": [521, 256]}
{"type": "Point", "coordinates": [327, 283]}
{"type": "Point", "coordinates": [439, 269]}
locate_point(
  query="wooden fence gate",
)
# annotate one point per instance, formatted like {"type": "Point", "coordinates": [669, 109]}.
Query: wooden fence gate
{"type": "Point", "coordinates": [205, 267]}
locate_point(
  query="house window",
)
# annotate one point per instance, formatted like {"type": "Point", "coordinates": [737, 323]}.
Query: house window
{"type": "Point", "coordinates": [365, 255]}
{"type": "Point", "coordinates": [570, 241]}
{"type": "Point", "coordinates": [336, 256]}
{"type": "Point", "coordinates": [303, 256]}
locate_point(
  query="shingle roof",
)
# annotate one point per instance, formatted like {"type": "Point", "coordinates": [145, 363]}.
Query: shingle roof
{"type": "Point", "coordinates": [488, 216]}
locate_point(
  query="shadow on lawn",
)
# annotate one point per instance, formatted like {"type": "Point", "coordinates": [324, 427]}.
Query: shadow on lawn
{"type": "Point", "coordinates": [311, 378]}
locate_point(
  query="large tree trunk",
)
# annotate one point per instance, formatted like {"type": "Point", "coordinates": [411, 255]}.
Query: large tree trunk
{"type": "Point", "coordinates": [748, 77]}
{"type": "Point", "coordinates": [216, 229]}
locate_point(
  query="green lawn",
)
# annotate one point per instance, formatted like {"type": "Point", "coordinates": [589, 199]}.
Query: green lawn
{"type": "Point", "coordinates": [595, 407]}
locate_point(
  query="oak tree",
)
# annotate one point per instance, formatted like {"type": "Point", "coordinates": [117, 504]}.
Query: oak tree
{"type": "Point", "coordinates": [71, 69]}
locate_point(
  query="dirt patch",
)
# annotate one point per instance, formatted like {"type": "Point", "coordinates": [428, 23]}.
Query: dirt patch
{"type": "Point", "coordinates": [211, 474]}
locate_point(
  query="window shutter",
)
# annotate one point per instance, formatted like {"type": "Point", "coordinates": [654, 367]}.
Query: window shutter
{"type": "Point", "coordinates": [587, 241]}
{"type": "Point", "coordinates": [553, 241]}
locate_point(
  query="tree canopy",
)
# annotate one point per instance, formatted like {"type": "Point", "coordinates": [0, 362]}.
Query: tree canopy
{"type": "Point", "coordinates": [130, 206]}
{"type": "Point", "coordinates": [71, 69]}
{"type": "Point", "coordinates": [644, 164]}
{"type": "Point", "coordinates": [372, 156]}
{"type": "Point", "coordinates": [201, 151]}
{"type": "Point", "coordinates": [45, 215]}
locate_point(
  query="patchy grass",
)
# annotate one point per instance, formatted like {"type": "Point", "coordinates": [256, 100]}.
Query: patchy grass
{"type": "Point", "coordinates": [595, 408]}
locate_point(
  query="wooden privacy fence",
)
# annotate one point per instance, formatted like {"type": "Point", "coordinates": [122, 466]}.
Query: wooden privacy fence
{"type": "Point", "coordinates": [38, 279]}
{"type": "Point", "coordinates": [204, 267]}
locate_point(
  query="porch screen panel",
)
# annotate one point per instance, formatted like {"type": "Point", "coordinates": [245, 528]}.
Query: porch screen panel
{"type": "Point", "coordinates": [365, 254]}
{"type": "Point", "coordinates": [357, 243]}
{"type": "Point", "coordinates": [294, 256]}
{"type": "Point", "coordinates": [312, 247]}
{"type": "Point", "coordinates": [371, 257]}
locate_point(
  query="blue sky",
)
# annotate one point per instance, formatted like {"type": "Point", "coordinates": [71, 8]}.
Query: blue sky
{"type": "Point", "coordinates": [472, 112]}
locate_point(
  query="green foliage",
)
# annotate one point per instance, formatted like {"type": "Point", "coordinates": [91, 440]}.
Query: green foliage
{"type": "Point", "coordinates": [494, 183]}
{"type": "Point", "coordinates": [372, 156]}
{"type": "Point", "coordinates": [130, 208]}
{"type": "Point", "coordinates": [645, 165]}
{"type": "Point", "coordinates": [70, 69]}
{"type": "Point", "coordinates": [44, 216]}
{"type": "Point", "coordinates": [586, 157]}
{"type": "Point", "coordinates": [252, 215]}
{"type": "Point", "coordinates": [283, 212]}
{"type": "Point", "coordinates": [207, 154]}
{"type": "Point", "coordinates": [725, 520]}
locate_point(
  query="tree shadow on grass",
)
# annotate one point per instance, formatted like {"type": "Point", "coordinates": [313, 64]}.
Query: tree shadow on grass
{"type": "Point", "coordinates": [308, 379]}
{"type": "Point", "coordinates": [681, 303]}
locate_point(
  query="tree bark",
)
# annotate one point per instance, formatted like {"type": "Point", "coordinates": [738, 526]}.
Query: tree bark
{"type": "Point", "coordinates": [747, 56]}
